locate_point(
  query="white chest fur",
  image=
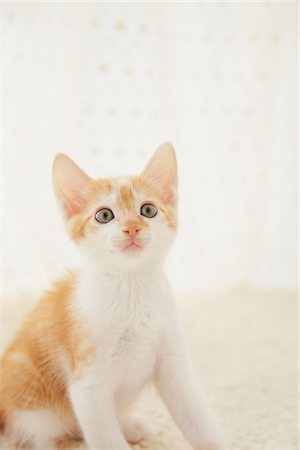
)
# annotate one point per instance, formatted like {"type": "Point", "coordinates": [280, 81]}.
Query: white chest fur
{"type": "Point", "coordinates": [127, 315]}
{"type": "Point", "coordinates": [134, 324]}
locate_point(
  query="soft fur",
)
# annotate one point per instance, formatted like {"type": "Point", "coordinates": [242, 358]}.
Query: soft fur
{"type": "Point", "coordinates": [102, 334]}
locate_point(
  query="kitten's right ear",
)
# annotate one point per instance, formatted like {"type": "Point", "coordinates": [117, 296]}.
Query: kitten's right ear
{"type": "Point", "coordinates": [70, 185]}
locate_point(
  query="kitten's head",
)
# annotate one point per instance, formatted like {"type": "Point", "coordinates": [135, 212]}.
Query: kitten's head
{"type": "Point", "coordinates": [123, 222]}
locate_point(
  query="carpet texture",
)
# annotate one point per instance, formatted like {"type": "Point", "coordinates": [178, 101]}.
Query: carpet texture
{"type": "Point", "coordinates": [244, 349]}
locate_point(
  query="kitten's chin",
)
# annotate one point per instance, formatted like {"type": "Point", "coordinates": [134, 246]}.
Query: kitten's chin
{"type": "Point", "coordinates": [135, 254]}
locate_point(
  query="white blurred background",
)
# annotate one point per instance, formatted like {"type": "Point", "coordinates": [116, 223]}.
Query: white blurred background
{"type": "Point", "coordinates": [106, 83]}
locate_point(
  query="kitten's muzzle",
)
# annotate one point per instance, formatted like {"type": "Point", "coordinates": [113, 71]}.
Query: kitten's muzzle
{"type": "Point", "coordinates": [132, 243]}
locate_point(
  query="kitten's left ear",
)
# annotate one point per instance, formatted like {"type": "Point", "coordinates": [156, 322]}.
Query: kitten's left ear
{"type": "Point", "coordinates": [162, 171]}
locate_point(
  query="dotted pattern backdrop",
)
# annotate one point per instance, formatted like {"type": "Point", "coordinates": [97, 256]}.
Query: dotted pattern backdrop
{"type": "Point", "coordinates": [108, 82]}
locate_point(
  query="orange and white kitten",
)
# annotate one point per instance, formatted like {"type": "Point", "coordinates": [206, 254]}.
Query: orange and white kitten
{"type": "Point", "coordinates": [74, 370]}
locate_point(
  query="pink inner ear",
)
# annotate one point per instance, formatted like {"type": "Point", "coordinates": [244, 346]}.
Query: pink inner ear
{"type": "Point", "coordinates": [70, 184]}
{"type": "Point", "coordinates": [75, 208]}
{"type": "Point", "coordinates": [162, 172]}
{"type": "Point", "coordinates": [71, 206]}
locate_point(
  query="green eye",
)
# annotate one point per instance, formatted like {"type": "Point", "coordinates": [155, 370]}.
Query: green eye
{"type": "Point", "coordinates": [148, 210]}
{"type": "Point", "coordinates": [104, 215]}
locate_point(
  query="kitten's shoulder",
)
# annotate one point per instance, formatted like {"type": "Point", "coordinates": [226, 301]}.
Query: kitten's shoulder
{"type": "Point", "coordinates": [63, 287]}
{"type": "Point", "coordinates": [49, 315]}
{"type": "Point", "coordinates": [55, 300]}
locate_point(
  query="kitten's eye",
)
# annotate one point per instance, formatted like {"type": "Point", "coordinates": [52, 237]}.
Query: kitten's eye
{"type": "Point", "coordinates": [104, 215]}
{"type": "Point", "coordinates": [148, 210]}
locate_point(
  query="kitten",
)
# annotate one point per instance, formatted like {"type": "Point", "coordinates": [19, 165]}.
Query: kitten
{"type": "Point", "coordinates": [74, 370]}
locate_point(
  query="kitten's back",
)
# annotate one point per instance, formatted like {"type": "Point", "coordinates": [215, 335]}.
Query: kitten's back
{"type": "Point", "coordinates": [35, 367]}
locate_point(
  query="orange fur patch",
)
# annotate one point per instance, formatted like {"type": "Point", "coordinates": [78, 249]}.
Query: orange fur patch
{"type": "Point", "coordinates": [2, 421]}
{"type": "Point", "coordinates": [33, 372]}
{"type": "Point", "coordinates": [67, 443]}
{"type": "Point", "coordinates": [125, 198]}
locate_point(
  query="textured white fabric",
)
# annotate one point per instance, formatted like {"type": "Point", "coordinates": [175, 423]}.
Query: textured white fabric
{"type": "Point", "coordinates": [108, 82]}
{"type": "Point", "coordinates": [244, 348]}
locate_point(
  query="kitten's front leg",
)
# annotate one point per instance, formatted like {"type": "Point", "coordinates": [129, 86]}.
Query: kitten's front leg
{"type": "Point", "coordinates": [95, 411]}
{"type": "Point", "coordinates": [180, 392]}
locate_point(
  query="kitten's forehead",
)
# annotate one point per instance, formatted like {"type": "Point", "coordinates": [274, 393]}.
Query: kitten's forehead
{"type": "Point", "coordinates": [124, 191]}
{"type": "Point", "coordinates": [125, 197]}
{"type": "Point", "coordinates": [128, 190]}
{"type": "Point", "coordinates": [119, 191]}
{"type": "Point", "coordinates": [123, 181]}
{"type": "Point", "coordinates": [127, 193]}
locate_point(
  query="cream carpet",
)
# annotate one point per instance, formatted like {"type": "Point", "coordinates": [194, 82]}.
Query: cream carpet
{"type": "Point", "coordinates": [244, 348]}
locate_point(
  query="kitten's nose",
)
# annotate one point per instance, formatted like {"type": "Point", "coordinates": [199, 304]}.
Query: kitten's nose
{"type": "Point", "coordinates": [131, 230]}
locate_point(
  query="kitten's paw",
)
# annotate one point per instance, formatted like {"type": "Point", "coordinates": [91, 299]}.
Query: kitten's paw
{"type": "Point", "coordinates": [136, 431]}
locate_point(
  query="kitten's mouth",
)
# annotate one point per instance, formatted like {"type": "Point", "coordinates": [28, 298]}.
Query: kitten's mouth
{"type": "Point", "coordinates": [132, 246]}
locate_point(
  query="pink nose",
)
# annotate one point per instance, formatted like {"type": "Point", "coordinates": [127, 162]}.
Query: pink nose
{"type": "Point", "coordinates": [131, 231]}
